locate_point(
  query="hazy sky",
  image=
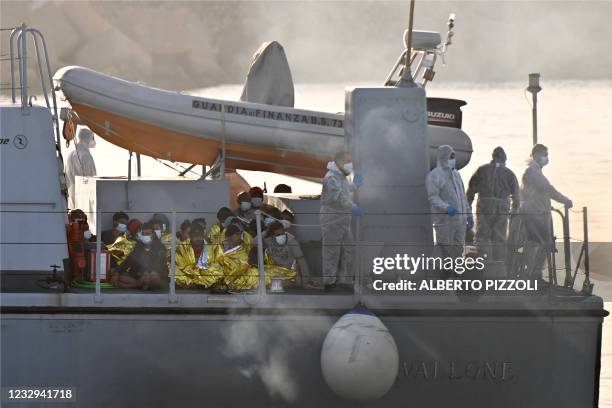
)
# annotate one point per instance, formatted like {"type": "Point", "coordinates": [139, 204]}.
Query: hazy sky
{"type": "Point", "coordinates": [183, 45]}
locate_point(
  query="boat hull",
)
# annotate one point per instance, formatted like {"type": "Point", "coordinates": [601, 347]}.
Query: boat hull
{"type": "Point", "coordinates": [511, 353]}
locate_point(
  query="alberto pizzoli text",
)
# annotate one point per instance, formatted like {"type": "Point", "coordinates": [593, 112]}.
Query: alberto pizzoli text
{"type": "Point", "coordinates": [456, 285]}
{"type": "Point", "coordinates": [412, 265]}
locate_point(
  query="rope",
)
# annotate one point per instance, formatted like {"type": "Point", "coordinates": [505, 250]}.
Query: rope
{"type": "Point", "coordinates": [154, 153]}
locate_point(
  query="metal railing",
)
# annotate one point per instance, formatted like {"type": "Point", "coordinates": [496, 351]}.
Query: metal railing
{"type": "Point", "coordinates": [18, 58]}
{"type": "Point", "coordinates": [358, 278]}
{"type": "Point", "coordinates": [570, 278]}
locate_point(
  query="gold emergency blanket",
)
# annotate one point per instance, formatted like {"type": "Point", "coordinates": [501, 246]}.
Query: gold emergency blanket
{"type": "Point", "coordinates": [121, 248]}
{"type": "Point", "coordinates": [192, 271]}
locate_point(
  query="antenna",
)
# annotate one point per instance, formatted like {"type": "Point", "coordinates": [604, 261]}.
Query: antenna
{"type": "Point", "coordinates": [407, 81]}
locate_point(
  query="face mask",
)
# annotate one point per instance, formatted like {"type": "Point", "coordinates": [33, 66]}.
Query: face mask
{"type": "Point", "coordinates": [158, 233]}
{"type": "Point", "coordinates": [92, 143]}
{"type": "Point", "coordinates": [348, 168]}
{"type": "Point", "coordinates": [245, 206]}
{"type": "Point", "coordinates": [452, 163]}
{"type": "Point", "coordinates": [268, 221]}
{"type": "Point", "coordinates": [543, 161]}
{"type": "Point", "coordinates": [256, 201]}
{"type": "Point", "coordinates": [145, 239]}
{"type": "Point", "coordinates": [227, 222]}
{"type": "Point", "coordinates": [281, 239]}
{"type": "Point", "coordinates": [286, 224]}
{"type": "Point", "coordinates": [121, 228]}
{"type": "Point", "coordinates": [87, 234]}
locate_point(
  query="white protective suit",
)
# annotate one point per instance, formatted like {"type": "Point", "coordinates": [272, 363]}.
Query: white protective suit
{"type": "Point", "coordinates": [338, 250]}
{"type": "Point", "coordinates": [80, 162]}
{"type": "Point", "coordinates": [537, 220]}
{"type": "Point", "coordinates": [444, 188]}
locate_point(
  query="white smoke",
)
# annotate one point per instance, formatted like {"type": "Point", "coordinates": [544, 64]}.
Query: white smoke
{"type": "Point", "coordinates": [264, 350]}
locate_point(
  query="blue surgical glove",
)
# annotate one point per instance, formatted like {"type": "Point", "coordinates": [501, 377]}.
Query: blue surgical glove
{"type": "Point", "coordinates": [450, 210]}
{"type": "Point", "coordinates": [358, 179]}
{"type": "Point", "coordinates": [470, 221]}
{"type": "Point", "coordinates": [356, 210]}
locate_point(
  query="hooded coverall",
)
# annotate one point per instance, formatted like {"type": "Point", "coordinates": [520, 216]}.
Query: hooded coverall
{"type": "Point", "coordinates": [495, 185]}
{"type": "Point", "coordinates": [338, 250]}
{"type": "Point", "coordinates": [444, 189]}
{"type": "Point", "coordinates": [80, 162]}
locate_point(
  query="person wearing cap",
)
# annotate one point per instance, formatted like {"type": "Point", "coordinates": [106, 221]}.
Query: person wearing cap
{"type": "Point", "coordinates": [498, 197]}
{"type": "Point", "coordinates": [80, 162]}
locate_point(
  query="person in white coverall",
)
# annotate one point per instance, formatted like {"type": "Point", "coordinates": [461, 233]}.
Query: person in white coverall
{"type": "Point", "coordinates": [537, 192]}
{"type": "Point", "coordinates": [80, 162]}
{"type": "Point", "coordinates": [337, 207]}
{"type": "Point", "coordinates": [451, 213]}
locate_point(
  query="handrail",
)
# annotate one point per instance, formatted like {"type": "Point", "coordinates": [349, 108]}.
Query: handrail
{"type": "Point", "coordinates": [570, 278]}
{"type": "Point", "coordinates": [98, 295]}
{"type": "Point", "coordinates": [587, 286]}
{"type": "Point", "coordinates": [360, 245]}
{"type": "Point", "coordinates": [172, 289]}
{"type": "Point", "coordinates": [12, 58]}
{"type": "Point", "coordinates": [568, 282]}
{"type": "Point", "coordinates": [19, 41]}
{"type": "Point", "coordinates": [260, 261]}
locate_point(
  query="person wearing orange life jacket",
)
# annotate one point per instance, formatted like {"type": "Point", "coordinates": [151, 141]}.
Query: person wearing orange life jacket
{"type": "Point", "coordinates": [77, 235]}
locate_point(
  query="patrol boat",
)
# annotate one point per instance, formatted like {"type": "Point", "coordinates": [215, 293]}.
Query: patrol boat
{"type": "Point", "coordinates": [113, 347]}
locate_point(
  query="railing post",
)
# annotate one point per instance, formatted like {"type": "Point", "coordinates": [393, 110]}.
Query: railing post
{"type": "Point", "coordinates": [567, 249]}
{"type": "Point", "coordinates": [172, 298]}
{"type": "Point", "coordinates": [260, 261]}
{"type": "Point", "coordinates": [98, 296]}
{"type": "Point", "coordinates": [357, 266]}
{"type": "Point", "coordinates": [24, 65]}
{"type": "Point", "coordinates": [587, 286]}
{"type": "Point", "coordinates": [12, 56]}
